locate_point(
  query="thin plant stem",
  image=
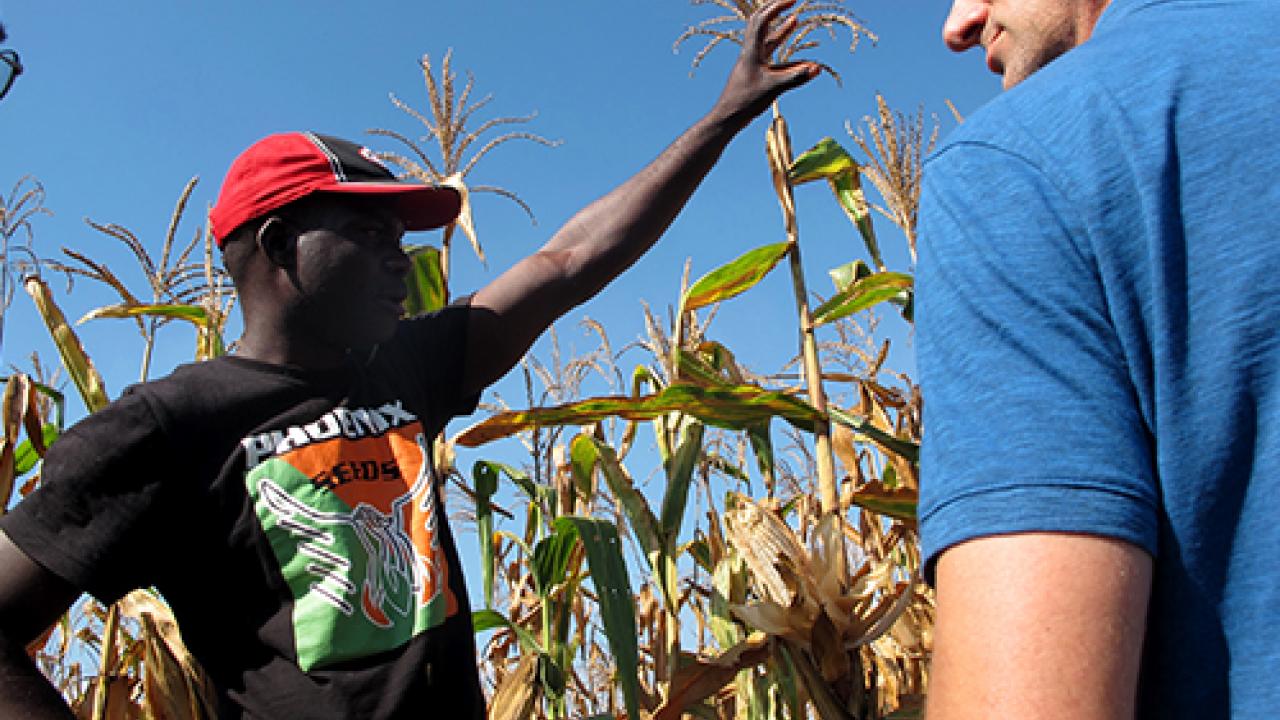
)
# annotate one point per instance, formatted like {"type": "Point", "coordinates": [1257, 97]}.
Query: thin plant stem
{"type": "Point", "coordinates": [107, 663]}
{"type": "Point", "coordinates": [146, 350]}
{"type": "Point", "coordinates": [808, 343]}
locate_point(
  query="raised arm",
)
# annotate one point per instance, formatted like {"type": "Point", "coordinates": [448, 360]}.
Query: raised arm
{"type": "Point", "coordinates": [607, 236]}
{"type": "Point", "coordinates": [31, 599]}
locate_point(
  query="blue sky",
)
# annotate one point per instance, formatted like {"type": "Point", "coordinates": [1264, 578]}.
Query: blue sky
{"type": "Point", "coordinates": [122, 103]}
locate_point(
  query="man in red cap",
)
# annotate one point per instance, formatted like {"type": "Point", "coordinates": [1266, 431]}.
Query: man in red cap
{"type": "Point", "coordinates": [283, 499]}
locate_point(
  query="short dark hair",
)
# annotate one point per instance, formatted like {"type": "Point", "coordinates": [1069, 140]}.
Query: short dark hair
{"type": "Point", "coordinates": [241, 244]}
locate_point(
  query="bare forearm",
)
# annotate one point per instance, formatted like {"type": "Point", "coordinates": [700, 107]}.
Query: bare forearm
{"type": "Point", "coordinates": [595, 246]}
{"type": "Point", "coordinates": [24, 692]}
{"type": "Point", "coordinates": [607, 236]}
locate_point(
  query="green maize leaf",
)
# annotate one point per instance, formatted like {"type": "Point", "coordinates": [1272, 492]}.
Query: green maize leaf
{"type": "Point", "coordinates": [679, 475]}
{"type": "Point", "coordinates": [729, 407]}
{"type": "Point", "coordinates": [711, 365]}
{"type": "Point", "coordinates": [560, 611]}
{"type": "Point", "coordinates": [59, 400]}
{"type": "Point", "coordinates": [426, 282]}
{"type": "Point", "coordinates": [617, 604]}
{"type": "Point", "coordinates": [720, 358]}
{"type": "Point", "coordinates": [908, 307]}
{"type": "Point", "coordinates": [643, 377]}
{"type": "Point", "coordinates": [758, 707]}
{"type": "Point", "coordinates": [25, 456]}
{"type": "Point", "coordinates": [485, 476]}
{"type": "Point", "coordinates": [723, 465]}
{"type": "Point", "coordinates": [736, 277]}
{"type": "Point", "coordinates": [700, 551]}
{"type": "Point", "coordinates": [209, 340]}
{"type": "Point", "coordinates": [788, 507]}
{"type": "Point", "coordinates": [905, 449]}
{"type": "Point", "coordinates": [846, 275]}
{"type": "Point", "coordinates": [191, 313]}
{"type": "Point", "coordinates": [520, 479]}
{"type": "Point", "coordinates": [865, 293]}
{"type": "Point", "coordinates": [848, 191]}
{"type": "Point", "coordinates": [729, 584]}
{"type": "Point", "coordinates": [518, 541]}
{"type": "Point", "coordinates": [899, 503]}
{"type": "Point", "coordinates": [696, 370]}
{"type": "Point", "coordinates": [551, 559]}
{"type": "Point", "coordinates": [762, 448]}
{"type": "Point", "coordinates": [582, 463]}
{"type": "Point", "coordinates": [13, 414]}
{"type": "Point", "coordinates": [667, 577]}
{"type": "Point", "coordinates": [849, 273]}
{"type": "Point", "coordinates": [85, 376]}
{"type": "Point", "coordinates": [639, 516]}
{"type": "Point", "coordinates": [889, 477]}
{"type": "Point", "coordinates": [552, 679]}
{"type": "Point", "coordinates": [823, 161]}
{"type": "Point", "coordinates": [484, 620]}
{"type": "Point", "coordinates": [783, 673]}
{"type": "Point", "coordinates": [828, 160]}
{"type": "Point", "coordinates": [662, 431]}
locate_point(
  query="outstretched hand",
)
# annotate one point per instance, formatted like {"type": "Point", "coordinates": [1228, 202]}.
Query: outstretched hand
{"type": "Point", "coordinates": [755, 82]}
{"type": "Point", "coordinates": [610, 234]}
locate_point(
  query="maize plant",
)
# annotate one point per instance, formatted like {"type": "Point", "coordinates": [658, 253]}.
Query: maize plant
{"type": "Point", "coordinates": [126, 660]}
{"type": "Point", "coordinates": [806, 602]}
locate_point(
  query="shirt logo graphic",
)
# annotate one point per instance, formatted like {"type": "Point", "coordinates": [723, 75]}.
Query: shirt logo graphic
{"type": "Point", "coordinates": [354, 525]}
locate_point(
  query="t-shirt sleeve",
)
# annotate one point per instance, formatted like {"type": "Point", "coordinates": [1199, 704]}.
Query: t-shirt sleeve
{"type": "Point", "coordinates": [432, 349]}
{"type": "Point", "coordinates": [95, 520]}
{"type": "Point", "coordinates": [1030, 417]}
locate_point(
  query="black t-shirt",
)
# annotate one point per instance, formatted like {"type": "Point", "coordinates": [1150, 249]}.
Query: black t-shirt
{"type": "Point", "coordinates": [291, 520]}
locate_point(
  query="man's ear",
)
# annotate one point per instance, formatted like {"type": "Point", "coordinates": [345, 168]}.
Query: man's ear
{"type": "Point", "coordinates": [278, 242]}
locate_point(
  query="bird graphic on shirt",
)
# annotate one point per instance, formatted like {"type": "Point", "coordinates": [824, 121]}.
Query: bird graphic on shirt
{"type": "Point", "coordinates": [395, 572]}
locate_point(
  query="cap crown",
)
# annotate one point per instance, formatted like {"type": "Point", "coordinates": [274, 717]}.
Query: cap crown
{"type": "Point", "coordinates": [280, 169]}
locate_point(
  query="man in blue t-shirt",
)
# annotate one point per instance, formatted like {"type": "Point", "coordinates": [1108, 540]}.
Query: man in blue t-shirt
{"type": "Point", "coordinates": [1098, 299]}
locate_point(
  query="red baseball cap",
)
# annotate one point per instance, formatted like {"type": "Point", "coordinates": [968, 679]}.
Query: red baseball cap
{"type": "Point", "coordinates": [279, 169]}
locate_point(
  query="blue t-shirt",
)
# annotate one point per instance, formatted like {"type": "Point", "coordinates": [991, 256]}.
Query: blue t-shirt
{"type": "Point", "coordinates": [1098, 329]}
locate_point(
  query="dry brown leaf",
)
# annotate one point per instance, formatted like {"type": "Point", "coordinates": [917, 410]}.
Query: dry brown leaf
{"type": "Point", "coordinates": [704, 678]}
{"type": "Point", "coordinates": [887, 612]}
{"type": "Point", "coordinates": [518, 694]}
{"type": "Point", "coordinates": [120, 704]}
{"type": "Point", "coordinates": [142, 604]}
{"type": "Point", "coordinates": [13, 412]}
{"type": "Point", "coordinates": [166, 695]}
{"type": "Point", "coordinates": [778, 149]}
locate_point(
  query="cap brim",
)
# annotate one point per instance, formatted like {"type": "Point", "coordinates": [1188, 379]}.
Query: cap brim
{"type": "Point", "coordinates": [420, 207]}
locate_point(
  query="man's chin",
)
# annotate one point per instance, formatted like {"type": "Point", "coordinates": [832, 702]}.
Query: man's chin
{"type": "Point", "coordinates": [1014, 74]}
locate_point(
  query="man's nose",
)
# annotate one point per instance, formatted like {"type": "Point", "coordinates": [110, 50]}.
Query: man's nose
{"type": "Point", "coordinates": [963, 28]}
